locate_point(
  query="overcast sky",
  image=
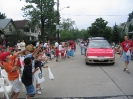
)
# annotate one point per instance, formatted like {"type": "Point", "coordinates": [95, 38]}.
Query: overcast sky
{"type": "Point", "coordinates": [83, 12]}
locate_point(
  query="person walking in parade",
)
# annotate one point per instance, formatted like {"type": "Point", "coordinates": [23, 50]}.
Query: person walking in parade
{"type": "Point", "coordinates": [126, 46]}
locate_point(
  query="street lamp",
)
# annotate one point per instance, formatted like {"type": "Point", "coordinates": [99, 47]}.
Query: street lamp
{"type": "Point", "coordinates": [58, 27]}
{"type": "Point", "coordinates": [64, 8]}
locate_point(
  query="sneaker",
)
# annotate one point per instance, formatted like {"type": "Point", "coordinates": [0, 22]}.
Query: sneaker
{"type": "Point", "coordinates": [127, 71]}
{"type": "Point", "coordinates": [38, 92]}
{"type": "Point", "coordinates": [124, 69]}
{"type": "Point", "coordinates": [40, 88]}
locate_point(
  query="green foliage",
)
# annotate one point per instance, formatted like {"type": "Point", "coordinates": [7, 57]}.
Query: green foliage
{"type": "Point", "coordinates": [41, 12]}
{"type": "Point", "coordinates": [17, 35]}
{"type": "Point", "coordinates": [64, 35]}
{"type": "Point", "coordinates": [116, 36]}
{"type": "Point", "coordinates": [130, 16]}
{"type": "Point", "coordinates": [130, 28]}
{"type": "Point", "coordinates": [31, 42]}
{"type": "Point", "coordinates": [2, 15]}
{"type": "Point", "coordinates": [100, 29]}
{"type": "Point", "coordinates": [67, 24]}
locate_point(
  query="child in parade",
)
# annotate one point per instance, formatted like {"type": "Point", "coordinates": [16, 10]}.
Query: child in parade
{"type": "Point", "coordinates": [62, 53]}
{"type": "Point", "coordinates": [57, 54]}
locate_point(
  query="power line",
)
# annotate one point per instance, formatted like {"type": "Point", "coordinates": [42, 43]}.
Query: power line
{"type": "Point", "coordinates": [96, 15]}
{"type": "Point", "coordinates": [77, 10]}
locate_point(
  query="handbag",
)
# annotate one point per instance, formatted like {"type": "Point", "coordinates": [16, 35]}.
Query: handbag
{"type": "Point", "coordinates": [51, 76]}
{"type": "Point", "coordinates": [38, 76]}
{"type": "Point", "coordinates": [128, 53]}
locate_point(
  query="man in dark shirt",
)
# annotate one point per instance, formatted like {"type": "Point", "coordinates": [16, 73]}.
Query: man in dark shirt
{"type": "Point", "coordinates": [27, 77]}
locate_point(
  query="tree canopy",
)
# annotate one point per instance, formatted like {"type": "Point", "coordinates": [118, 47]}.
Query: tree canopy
{"type": "Point", "coordinates": [40, 12]}
{"type": "Point", "coordinates": [130, 16]}
{"type": "Point", "coordinates": [2, 15]}
{"type": "Point", "coordinates": [100, 29]}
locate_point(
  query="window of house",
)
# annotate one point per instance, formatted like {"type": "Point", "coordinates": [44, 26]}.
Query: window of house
{"type": "Point", "coordinates": [32, 38]}
{"type": "Point", "coordinates": [10, 28]}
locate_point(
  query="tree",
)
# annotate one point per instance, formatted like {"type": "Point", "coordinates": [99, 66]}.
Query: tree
{"type": "Point", "coordinates": [42, 12]}
{"type": "Point", "coordinates": [67, 24]}
{"type": "Point", "coordinates": [130, 28]}
{"type": "Point", "coordinates": [116, 36]}
{"type": "Point", "coordinates": [15, 36]}
{"type": "Point", "coordinates": [130, 16]}
{"type": "Point", "coordinates": [64, 35]}
{"type": "Point", "coordinates": [100, 29]}
{"type": "Point", "coordinates": [2, 15]}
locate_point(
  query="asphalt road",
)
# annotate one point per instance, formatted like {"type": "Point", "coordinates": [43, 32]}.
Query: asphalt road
{"type": "Point", "coordinates": [75, 79]}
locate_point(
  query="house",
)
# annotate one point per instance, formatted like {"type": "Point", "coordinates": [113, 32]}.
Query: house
{"type": "Point", "coordinates": [125, 26]}
{"type": "Point", "coordinates": [23, 26]}
{"type": "Point", "coordinates": [7, 27]}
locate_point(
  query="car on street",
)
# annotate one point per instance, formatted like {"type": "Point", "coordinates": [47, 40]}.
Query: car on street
{"type": "Point", "coordinates": [96, 38]}
{"type": "Point", "coordinates": [99, 51]}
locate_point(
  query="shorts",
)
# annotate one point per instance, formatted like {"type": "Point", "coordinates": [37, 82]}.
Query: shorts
{"type": "Point", "coordinates": [57, 56]}
{"type": "Point", "coordinates": [125, 57]}
{"type": "Point", "coordinates": [16, 84]}
{"type": "Point", "coordinates": [30, 89]}
{"type": "Point", "coordinates": [62, 54]}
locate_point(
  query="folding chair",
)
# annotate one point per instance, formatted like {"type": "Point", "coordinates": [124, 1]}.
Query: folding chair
{"type": "Point", "coordinates": [4, 89]}
{"type": "Point", "coordinates": [4, 75]}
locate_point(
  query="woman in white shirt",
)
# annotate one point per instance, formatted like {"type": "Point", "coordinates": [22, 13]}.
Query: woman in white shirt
{"type": "Point", "coordinates": [18, 44]}
{"type": "Point", "coordinates": [22, 45]}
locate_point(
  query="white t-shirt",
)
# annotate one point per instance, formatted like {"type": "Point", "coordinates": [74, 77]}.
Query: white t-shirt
{"type": "Point", "coordinates": [56, 44]}
{"type": "Point", "coordinates": [45, 44]}
{"type": "Point", "coordinates": [37, 44]}
{"type": "Point", "coordinates": [69, 48]}
{"type": "Point", "coordinates": [18, 44]}
{"type": "Point", "coordinates": [60, 47]}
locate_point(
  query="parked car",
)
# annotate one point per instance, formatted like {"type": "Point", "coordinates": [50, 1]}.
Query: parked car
{"type": "Point", "coordinates": [96, 38]}
{"type": "Point", "coordinates": [99, 51]}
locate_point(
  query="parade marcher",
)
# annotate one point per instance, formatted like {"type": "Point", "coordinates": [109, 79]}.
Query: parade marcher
{"type": "Point", "coordinates": [85, 47]}
{"type": "Point", "coordinates": [82, 47]}
{"type": "Point", "coordinates": [126, 46]}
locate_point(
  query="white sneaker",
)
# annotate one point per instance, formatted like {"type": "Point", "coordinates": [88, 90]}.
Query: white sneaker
{"type": "Point", "coordinates": [40, 88]}
{"type": "Point", "coordinates": [38, 92]}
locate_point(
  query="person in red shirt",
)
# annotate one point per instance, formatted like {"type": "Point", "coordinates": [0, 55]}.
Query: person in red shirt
{"type": "Point", "coordinates": [127, 45]}
{"type": "Point", "coordinates": [72, 49]}
{"type": "Point", "coordinates": [57, 53]}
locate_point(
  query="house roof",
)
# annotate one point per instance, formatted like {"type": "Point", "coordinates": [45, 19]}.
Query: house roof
{"type": "Point", "coordinates": [20, 23]}
{"type": "Point", "coordinates": [4, 23]}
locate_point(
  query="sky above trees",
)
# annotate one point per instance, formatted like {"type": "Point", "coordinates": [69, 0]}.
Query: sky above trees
{"type": "Point", "coordinates": [83, 12]}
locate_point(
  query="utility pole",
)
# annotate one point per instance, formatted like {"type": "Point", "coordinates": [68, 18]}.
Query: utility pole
{"type": "Point", "coordinates": [58, 22]}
